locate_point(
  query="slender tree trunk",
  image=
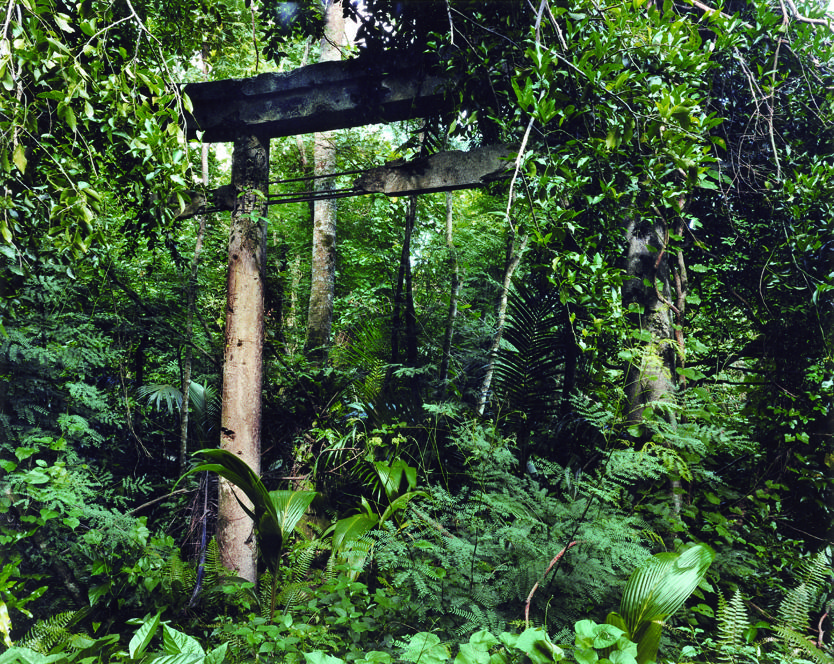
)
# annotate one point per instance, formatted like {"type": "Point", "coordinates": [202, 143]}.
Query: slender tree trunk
{"type": "Point", "coordinates": [396, 319]}
{"type": "Point", "coordinates": [828, 420]}
{"type": "Point", "coordinates": [571, 362]}
{"type": "Point", "coordinates": [191, 297]}
{"type": "Point", "coordinates": [410, 315]}
{"type": "Point", "coordinates": [651, 378]}
{"type": "Point", "coordinates": [240, 430]}
{"type": "Point", "coordinates": [513, 259]}
{"type": "Point", "coordinates": [404, 301]}
{"type": "Point", "coordinates": [453, 294]}
{"type": "Point", "coordinates": [320, 315]}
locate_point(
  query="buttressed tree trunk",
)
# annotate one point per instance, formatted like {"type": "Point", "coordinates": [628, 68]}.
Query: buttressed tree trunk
{"type": "Point", "coordinates": [240, 430]}
{"type": "Point", "coordinates": [320, 315]}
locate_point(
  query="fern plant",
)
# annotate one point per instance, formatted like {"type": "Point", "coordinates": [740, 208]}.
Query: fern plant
{"type": "Point", "coordinates": [471, 554]}
{"type": "Point", "coordinates": [530, 364]}
{"type": "Point", "coordinates": [792, 640]}
{"type": "Point", "coordinates": [733, 626]}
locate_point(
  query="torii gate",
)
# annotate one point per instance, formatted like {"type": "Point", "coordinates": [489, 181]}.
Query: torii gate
{"type": "Point", "coordinates": [251, 111]}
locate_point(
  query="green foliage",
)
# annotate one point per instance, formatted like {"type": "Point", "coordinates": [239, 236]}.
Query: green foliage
{"type": "Point", "coordinates": [91, 102]}
{"type": "Point", "coordinates": [655, 591]}
{"type": "Point", "coordinates": [474, 552]}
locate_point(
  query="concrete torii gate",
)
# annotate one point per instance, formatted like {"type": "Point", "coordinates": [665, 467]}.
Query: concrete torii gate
{"type": "Point", "coordinates": [250, 111]}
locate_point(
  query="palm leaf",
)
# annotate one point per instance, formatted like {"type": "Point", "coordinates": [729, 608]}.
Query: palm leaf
{"type": "Point", "coordinates": [655, 591]}
{"type": "Point", "coordinates": [263, 512]}
{"type": "Point", "coordinates": [530, 364]}
{"type": "Point", "coordinates": [351, 528]}
{"type": "Point", "coordinates": [157, 393]}
{"type": "Point", "coordinates": [290, 506]}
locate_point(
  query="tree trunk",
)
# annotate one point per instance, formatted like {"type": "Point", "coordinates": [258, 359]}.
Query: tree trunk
{"type": "Point", "coordinates": [453, 295]}
{"type": "Point", "coordinates": [396, 319]}
{"type": "Point", "coordinates": [320, 315]}
{"type": "Point", "coordinates": [240, 429]}
{"type": "Point", "coordinates": [651, 378]}
{"type": "Point", "coordinates": [513, 259]}
{"type": "Point", "coordinates": [191, 297]}
{"type": "Point", "coordinates": [410, 315]}
{"type": "Point", "coordinates": [404, 300]}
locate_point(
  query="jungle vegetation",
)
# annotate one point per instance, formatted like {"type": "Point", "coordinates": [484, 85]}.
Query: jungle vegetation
{"type": "Point", "coordinates": [581, 413]}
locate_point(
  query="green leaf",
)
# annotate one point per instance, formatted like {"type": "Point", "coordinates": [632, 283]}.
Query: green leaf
{"type": "Point", "coordinates": [142, 639]}
{"type": "Point", "coordinates": [98, 591]}
{"type": "Point", "coordinates": [319, 657]}
{"type": "Point", "coordinates": [290, 506]}
{"type": "Point", "coordinates": [425, 648]}
{"type": "Point", "coordinates": [5, 624]}
{"type": "Point", "coordinates": [19, 158]}
{"type": "Point", "coordinates": [400, 503]}
{"type": "Point", "coordinates": [21, 655]}
{"type": "Point", "coordinates": [175, 642]}
{"type": "Point", "coordinates": [182, 658]}
{"type": "Point", "coordinates": [351, 529]}
{"type": "Point", "coordinates": [376, 657]}
{"type": "Point", "coordinates": [469, 654]}
{"type": "Point", "coordinates": [63, 22]}
{"type": "Point", "coordinates": [536, 644]}
{"type": "Point", "coordinates": [656, 590]}
{"type": "Point", "coordinates": [217, 655]}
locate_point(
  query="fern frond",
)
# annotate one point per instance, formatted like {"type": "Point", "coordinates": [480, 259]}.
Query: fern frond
{"type": "Point", "coordinates": [800, 645]}
{"type": "Point", "coordinates": [52, 632]}
{"type": "Point", "coordinates": [815, 574]}
{"type": "Point", "coordinates": [732, 622]}
{"type": "Point", "coordinates": [796, 607]}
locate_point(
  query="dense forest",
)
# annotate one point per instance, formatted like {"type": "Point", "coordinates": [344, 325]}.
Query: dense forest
{"type": "Point", "coordinates": [579, 410]}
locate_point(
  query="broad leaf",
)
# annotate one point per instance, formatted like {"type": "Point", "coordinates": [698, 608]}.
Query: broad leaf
{"type": "Point", "coordinates": [655, 591]}
{"type": "Point", "coordinates": [175, 642]}
{"type": "Point", "coordinates": [289, 507]}
{"type": "Point", "coordinates": [351, 528]}
{"type": "Point", "coordinates": [142, 639]}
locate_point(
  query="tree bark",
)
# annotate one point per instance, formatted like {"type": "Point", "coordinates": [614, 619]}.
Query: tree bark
{"type": "Point", "coordinates": [410, 315]}
{"type": "Point", "coordinates": [240, 430]}
{"type": "Point", "coordinates": [453, 295]}
{"type": "Point", "coordinates": [191, 297]}
{"type": "Point", "coordinates": [322, 288]}
{"type": "Point", "coordinates": [513, 259]}
{"type": "Point", "coordinates": [404, 301]}
{"type": "Point", "coordinates": [651, 379]}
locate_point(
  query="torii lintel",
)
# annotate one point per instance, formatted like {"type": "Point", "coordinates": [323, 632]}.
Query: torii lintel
{"type": "Point", "coordinates": [315, 98]}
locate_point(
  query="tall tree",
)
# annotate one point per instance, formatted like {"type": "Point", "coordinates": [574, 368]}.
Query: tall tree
{"type": "Point", "coordinates": [454, 291]}
{"type": "Point", "coordinates": [243, 361]}
{"type": "Point", "coordinates": [323, 283]}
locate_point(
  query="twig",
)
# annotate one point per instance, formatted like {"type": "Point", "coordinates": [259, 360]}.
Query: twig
{"type": "Point", "coordinates": [129, 418]}
{"type": "Point", "coordinates": [536, 585]}
{"type": "Point", "coordinates": [136, 510]}
{"type": "Point", "coordinates": [805, 19]}
{"type": "Point", "coordinates": [819, 629]}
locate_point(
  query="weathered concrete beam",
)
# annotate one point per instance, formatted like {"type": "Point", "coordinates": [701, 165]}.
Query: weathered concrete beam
{"type": "Point", "coordinates": [318, 97]}
{"type": "Point", "coordinates": [444, 171]}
